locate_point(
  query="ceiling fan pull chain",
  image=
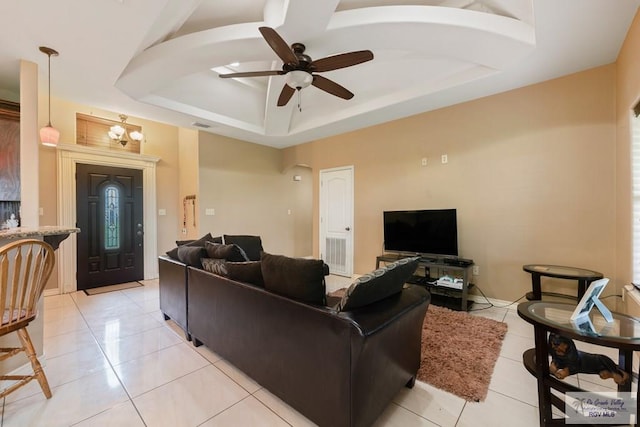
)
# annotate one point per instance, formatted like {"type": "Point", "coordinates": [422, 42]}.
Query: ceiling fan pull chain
{"type": "Point", "coordinates": [299, 100]}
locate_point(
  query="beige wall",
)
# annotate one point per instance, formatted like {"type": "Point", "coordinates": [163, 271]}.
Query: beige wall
{"type": "Point", "coordinates": [188, 172]}
{"type": "Point", "coordinates": [627, 95]}
{"type": "Point", "coordinates": [531, 173]}
{"type": "Point", "coordinates": [251, 194]}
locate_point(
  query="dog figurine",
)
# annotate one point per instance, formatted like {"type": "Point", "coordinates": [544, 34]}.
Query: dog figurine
{"type": "Point", "coordinates": [567, 360]}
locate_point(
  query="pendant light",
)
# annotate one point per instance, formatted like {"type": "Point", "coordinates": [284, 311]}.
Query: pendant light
{"type": "Point", "coordinates": [49, 135]}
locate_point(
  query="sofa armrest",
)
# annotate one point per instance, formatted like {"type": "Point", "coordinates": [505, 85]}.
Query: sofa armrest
{"type": "Point", "coordinates": [376, 316]}
{"type": "Point", "coordinates": [387, 350]}
{"type": "Point", "coordinates": [173, 290]}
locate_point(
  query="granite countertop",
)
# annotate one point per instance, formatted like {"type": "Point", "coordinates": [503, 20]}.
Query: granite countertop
{"type": "Point", "coordinates": [46, 230]}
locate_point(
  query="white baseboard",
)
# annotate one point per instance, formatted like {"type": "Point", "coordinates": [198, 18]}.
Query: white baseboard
{"type": "Point", "coordinates": [51, 292]}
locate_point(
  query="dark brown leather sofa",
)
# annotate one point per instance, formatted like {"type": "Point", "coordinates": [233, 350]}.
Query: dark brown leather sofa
{"type": "Point", "coordinates": [337, 369]}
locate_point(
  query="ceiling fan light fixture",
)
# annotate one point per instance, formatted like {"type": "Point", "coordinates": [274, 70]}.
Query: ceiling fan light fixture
{"type": "Point", "coordinates": [298, 79]}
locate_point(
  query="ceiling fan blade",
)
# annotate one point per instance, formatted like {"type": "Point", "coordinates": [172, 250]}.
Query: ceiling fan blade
{"type": "Point", "coordinates": [279, 46]}
{"type": "Point", "coordinates": [285, 95]}
{"type": "Point", "coordinates": [252, 74]}
{"type": "Point", "coordinates": [331, 87]}
{"type": "Point", "coordinates": [341, 61]}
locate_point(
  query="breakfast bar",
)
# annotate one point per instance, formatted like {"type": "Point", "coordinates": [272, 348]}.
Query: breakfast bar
{"type": "Point", "coordinates": [53, 235]}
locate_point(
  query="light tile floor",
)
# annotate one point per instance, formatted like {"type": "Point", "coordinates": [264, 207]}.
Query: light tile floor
{"type": "Point", "coordinates": [112, 360]}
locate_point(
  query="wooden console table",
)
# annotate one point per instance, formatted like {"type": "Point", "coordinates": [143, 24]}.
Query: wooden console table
{"type": "Point", "coordinates": [623, 333]}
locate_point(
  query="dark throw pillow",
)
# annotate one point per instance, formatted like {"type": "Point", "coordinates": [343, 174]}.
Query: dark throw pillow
{"type": "Point", "coordinates": [215, 266]}
{"type": "Point", "coordinates": [378, 284]}
{"type": "Point", "coordinates": [297, 278]}
{"type": "Point", "coordinates": [248, 272]}
{"type": "Point", "coordinates": [191, 255]}
{"type": "Point", "coordinates": [173, 253]}
{"type": "Point", "coordinates": [231, 253]}
{"type": "Point", "coordinates": [252, 245]}
{"type": "Point", "coordinates": [200, 242]}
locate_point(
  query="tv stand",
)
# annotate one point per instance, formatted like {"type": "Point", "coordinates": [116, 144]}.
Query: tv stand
{"type": "Point", "coordinates": [431, 268]}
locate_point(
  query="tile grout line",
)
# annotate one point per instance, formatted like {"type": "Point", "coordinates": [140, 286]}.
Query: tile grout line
{"type": "Point", "coordinates": [110, 365]}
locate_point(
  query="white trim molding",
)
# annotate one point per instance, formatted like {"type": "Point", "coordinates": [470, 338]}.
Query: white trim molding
{"type": "Point", "coordinates": [68, 156]}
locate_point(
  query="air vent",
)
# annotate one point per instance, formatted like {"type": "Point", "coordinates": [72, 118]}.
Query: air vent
{"type": "Point", "coordinates": [200, 125]}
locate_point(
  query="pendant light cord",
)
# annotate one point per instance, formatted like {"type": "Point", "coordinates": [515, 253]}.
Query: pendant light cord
{"type": "Point", "coordinates": [49, 89]}
{"type": "Point", "coordinates": [48, 51]}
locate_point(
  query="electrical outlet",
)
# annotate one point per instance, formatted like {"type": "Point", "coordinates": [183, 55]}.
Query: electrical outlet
{"type": "Point", "coordinates": [184, 231]}
{"type": "Point", "coordinates": [210, 211]}
{"type": "Point", "coordinates": [424, 161]}
{"type": "Point", "coordinates": [476, 270]}
{"type": "Point", "coordinates": [445, 159]}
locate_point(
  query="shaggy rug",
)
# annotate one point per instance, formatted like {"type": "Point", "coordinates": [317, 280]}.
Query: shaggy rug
{"type": "Point", "coordinates": [459, 352]}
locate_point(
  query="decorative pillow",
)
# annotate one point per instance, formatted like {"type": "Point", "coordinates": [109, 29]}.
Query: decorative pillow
{"type": "Point", "coordinates": [297, 278]}
{"type": "Point", "coordinates": [191, 255]}
{"type": "Point", "coordinates": [200, 242]}
{"type": "Point", "coordinates": [252, 245]}
{"type": "Point", "coordinates": [173, 253]}
{"type": "Point", "coordinates": [227, 252]}
{"type": "Point", "coordinates": [378, 284]}
{"type": "Point", "coordinates": [248, 272]}
{"type": "Point", "coordinates": [215, 266]}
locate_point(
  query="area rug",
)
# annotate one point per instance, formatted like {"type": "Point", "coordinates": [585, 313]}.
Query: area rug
{"type": "Point", "coordinates": [111, 288]}
{"type": "Point", "coordinates": [459, 352]}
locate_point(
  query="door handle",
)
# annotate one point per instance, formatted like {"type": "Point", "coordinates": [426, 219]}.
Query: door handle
{"type": "Point", "coordinates": [347, 228]}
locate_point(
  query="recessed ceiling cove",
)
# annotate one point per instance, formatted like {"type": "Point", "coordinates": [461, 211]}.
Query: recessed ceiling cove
{"type": "Point", "coordinates": [419, 49]}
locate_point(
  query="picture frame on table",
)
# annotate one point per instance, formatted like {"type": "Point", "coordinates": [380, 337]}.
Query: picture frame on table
{"type": "Point", "coordinates": [590, 299]}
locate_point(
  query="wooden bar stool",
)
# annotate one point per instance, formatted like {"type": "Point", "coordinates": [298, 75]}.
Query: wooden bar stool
{"type": "Point", "coordinates": [25, 266]}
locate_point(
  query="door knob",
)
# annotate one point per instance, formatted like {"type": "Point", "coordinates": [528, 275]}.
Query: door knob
{"type": "Point", "coordinates": [139, 233]}
{"type": "Point", "coordinates": [347, 228]}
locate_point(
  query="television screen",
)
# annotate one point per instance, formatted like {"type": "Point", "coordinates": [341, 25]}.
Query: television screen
{"type": "Point", "coordinates": [423, 231]}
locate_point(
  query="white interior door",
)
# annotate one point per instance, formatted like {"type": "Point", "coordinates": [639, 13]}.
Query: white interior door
{"type": "Point", "coordinates": [336, 219]}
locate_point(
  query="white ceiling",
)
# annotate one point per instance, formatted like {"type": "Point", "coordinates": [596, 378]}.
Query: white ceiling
{"type": "Point", "coordinates": [155, 58]}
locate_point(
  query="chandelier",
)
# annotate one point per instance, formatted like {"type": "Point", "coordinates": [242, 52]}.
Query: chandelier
{"type": "Point", "coordinates": [118, 133]}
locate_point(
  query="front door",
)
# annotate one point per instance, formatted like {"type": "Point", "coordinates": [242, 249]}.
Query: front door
{"type": "Point", "coordinates": [336, 219]}
{"type": "Point", "coordinates": [109, 215]}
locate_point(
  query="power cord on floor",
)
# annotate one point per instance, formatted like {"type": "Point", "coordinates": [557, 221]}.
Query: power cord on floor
{"type": "Point", "coordinates": [490, 304]}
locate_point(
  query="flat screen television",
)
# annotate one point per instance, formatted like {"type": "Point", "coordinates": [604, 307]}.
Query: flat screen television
{"type": "Point", "coordinates": [433, 231]}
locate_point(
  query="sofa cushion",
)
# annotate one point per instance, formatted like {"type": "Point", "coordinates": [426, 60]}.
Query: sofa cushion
{"type": "Point", "coordinates": [173, 253]}
{"type": "Point", "coordinates": [248, 272]}
{"type": "Point", "coordinates": [200, 242]}
{"type": "Point", "coordinates": [232, 253]}
{"type": "Point", "coordinates": [297, 278]}
{"type": "Point", "coordinates": [215, 266]}
{"type": "Point", "coordinates": [252, 245]}
{"type": "Point", "coordinates": [191, 255]}
{"type": "Point", "coordinates": [378, 284]}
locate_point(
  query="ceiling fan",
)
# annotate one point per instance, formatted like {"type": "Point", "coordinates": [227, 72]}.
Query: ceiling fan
{"type": "Point", "coordinates": [300, 68]}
